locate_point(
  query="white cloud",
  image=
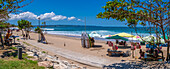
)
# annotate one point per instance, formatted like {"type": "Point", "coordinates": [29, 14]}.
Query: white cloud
{"type": "Point", "coordinates": [47, 16]}
{"type": "Point", "coordinates": [78, 19]}
{"type": "Point", "coordinates": [71, 18]}
{"type": "Point", "coordinates": [24, 15]}
{"type": "Point", "coordinates": [58, 17]}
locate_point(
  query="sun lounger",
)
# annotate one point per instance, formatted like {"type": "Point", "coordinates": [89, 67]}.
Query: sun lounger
{"type": "Point", "coordinates": [115, 52]}
{"type": "Point", "coordinates": [153, 59]}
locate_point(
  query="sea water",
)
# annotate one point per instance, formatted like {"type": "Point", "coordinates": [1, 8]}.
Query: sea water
{"type": "Point", "coordinates": [73, 30]}
{"type": "Point", "coordinates": [76, 30]}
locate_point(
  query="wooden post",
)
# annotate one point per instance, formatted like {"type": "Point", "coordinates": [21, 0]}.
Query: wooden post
{"type": "Point", "coordinates": [19, 52]}
{"type": "Point", "coordinates": [168, 51]}
{"type": "Point", "coordinates": [2, 42]}
{"type": "Point", "coordinates": [133, 53]}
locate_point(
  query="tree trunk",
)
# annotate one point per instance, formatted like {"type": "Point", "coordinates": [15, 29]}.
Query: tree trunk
{"type": "Point", "coordinates": [164, 38]}
{"type": "Point", "coordinates": [2, 42]}
{"type": "Point", "coordinates": [26, 35]}
{"type": "Point", "coordinates": [29, 35]}
{"type": "Point", "coordinates": [22, 33]}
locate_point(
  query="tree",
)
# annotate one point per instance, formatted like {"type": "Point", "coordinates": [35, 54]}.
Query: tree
{"type": "Point", "coordinates": [152, 13]}
{"type": "Point", "coordinates": [3, 25]}
{"type": "Point", "coordinates": [7, 7]}
{"type": "Point", "coordinates": [26, 25]}
{"type": "Point", "coordinates": [44, 25]}
{"type": "Point", "coordinates": [21, 26]}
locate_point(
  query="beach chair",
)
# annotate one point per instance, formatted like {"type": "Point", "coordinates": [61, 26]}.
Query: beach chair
{"type": "Point", "coordinates": [8, 41]}
{"type": "Point", "coordinates": [121, 43]}
{"type": "Point", "coordinates": [114, 52]}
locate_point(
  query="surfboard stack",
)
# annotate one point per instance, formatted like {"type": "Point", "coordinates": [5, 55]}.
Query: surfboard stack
{"type": "Point", "coordinates": [85, 40]}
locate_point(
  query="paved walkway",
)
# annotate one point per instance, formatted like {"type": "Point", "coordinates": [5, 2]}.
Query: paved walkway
{"type": "Point", "coordinates": [79, 57]}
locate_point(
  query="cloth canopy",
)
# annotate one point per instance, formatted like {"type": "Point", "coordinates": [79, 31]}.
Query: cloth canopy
{"type": "Point", "coordinates": [117, 37]}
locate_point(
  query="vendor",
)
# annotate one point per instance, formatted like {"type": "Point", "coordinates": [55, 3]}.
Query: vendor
{"type": "Point", "coordinates": [92, 41]}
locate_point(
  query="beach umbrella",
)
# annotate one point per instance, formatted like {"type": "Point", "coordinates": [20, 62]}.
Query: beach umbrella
{"type": "Point", "coordinates": [124, 35]}
{"type": "Point", "coordinates": [117, 37]}
{"type": "Point", "coordinates": [136, 37]}
{"type": "Point", "coordinates": [106, 36]}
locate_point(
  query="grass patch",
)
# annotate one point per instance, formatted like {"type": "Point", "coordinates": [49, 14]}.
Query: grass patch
{"type": "Point", "coordinates": [19, 64]}
{"type": "Point", "coordinates": [25, 55]}
{"type": "Point", "coordinates": [14, 48]}
{"type": "Point", "coordinates": [14, 63]}
{"type": "Point", "coordinates": [17, 39]}
{"type": "Point", "coordinates": [43, 52]}
{"type": "Point", "coordinates": [27, 44]}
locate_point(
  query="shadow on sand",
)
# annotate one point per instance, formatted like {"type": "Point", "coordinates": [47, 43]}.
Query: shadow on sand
{"type": "Point", "coordinates": [124, 47]}
{"type": "Point", "coordinates": [138, 65]}
{"type": "Point", "coordinates": [96, 46]}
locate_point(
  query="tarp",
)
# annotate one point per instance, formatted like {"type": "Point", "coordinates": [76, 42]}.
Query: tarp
{"type": "Point", "coordinates": [148, 38]}
{"type": "Point", "coordinates": [117, 37]}
{"type": "Point", "coordinates": [124, 35]}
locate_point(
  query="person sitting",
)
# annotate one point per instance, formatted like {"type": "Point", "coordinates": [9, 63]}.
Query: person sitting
{"type": "Point", "coordinates": [43, 40]}
{"type": "Point", "coordinates": [155, 54]}
{"type": "Point", "coordinates": [114, 47]}
{"type": "Point", "coordinates": [151, 51]}
{"type": "Point", "coordinates": [138, 46]}
{"type": "Point", "coordinates": [110, 43]}
{"type": "Point", "coordinates": [124, 43]}
{"type": "Point", "coordinates": [7, 40]}
{"type": "Point", "coordinates": [117, 42]}
{"type": "Point", "coordinates": [141, 54]}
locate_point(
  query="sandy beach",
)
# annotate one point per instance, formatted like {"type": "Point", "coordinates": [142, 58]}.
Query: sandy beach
{"type": "Point", "coordinates": [73, 47]}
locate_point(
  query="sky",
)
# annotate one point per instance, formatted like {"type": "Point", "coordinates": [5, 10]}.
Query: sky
{"type": "Point", "coordinates": [65, 12]}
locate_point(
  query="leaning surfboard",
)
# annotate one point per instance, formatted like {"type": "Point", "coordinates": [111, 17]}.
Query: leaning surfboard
{"type": "Point", "coordinates": [83, 39]}
{"type": "Point", "coordinates": [87, 40]}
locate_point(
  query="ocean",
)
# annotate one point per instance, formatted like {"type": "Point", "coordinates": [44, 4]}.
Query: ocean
{"type": "Point", "coordinates": [76, 30]}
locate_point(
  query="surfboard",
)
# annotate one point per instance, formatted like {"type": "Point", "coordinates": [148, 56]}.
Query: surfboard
{"type": "Point", "coordinates": [82, 40]}
{"type": "Point", "coordinates": [87, 40]}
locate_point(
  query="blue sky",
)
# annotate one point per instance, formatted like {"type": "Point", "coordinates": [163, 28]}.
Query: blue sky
{"type": "Point", "coordinates": [65, 12]}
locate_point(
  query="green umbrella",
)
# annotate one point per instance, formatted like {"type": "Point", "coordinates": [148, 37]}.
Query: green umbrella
{"type": "Point", "coordinates": [166, 37]}
{"type": "Point", "coordinates": [117, 37]}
